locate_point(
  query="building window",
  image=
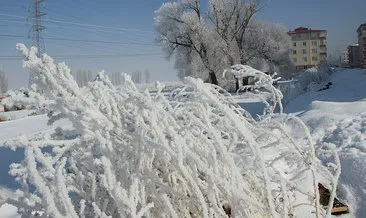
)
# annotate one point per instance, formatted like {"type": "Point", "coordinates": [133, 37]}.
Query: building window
{"type": "Point", "coordinates": [314, 50]}
{"type": "Point", "coordinates": [314, 35]}
{"type": "Point", "coordinates": [305, 59]}
{"type": "Point", "coordinates": [294, 52]}
{"type": "Point", "coordinates": [295, 60]}
{"type": "Point", "coordinates": [294, 44]}
{"type": "Point", "coordinates": [304, 43]}
{"type": "Point", "coordinates": [314, 43]}
{"type": "Point", "coordinates": [304, 51]}
{"type": "Point", "coordinates": [314, 58]}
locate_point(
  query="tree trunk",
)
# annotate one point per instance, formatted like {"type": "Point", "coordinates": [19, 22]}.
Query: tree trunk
{"type": "Point", "coordinates": [213, 78]}
{"type": "Point", "coordinates": [236, 84]}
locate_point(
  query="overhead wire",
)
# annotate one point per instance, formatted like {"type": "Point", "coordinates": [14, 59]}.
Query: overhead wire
{"type": "Point", "coordinates": [81, 40]}
{"type": "Point", "coordinates": [82, 24]}
{"type": "Point", "coordinates": [84, 56]}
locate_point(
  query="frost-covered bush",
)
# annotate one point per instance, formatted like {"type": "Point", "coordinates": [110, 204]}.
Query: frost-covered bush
{"type": "Point", "coordinates": [262, 86]}
{"type": "Point", "coordinates": [304, 81]}
{"type": "Point", "coordinates": [26, 98]}
{"type": "Point", "coordinates": [193, 154]}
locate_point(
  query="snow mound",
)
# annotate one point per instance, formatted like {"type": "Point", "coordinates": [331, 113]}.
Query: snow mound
{"type": "Point", "coordinates": [337, 120]}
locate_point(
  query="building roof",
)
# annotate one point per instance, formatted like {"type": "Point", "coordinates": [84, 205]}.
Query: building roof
{"type": "Point", "coordinates": [303, 30]}
{"type": "Point", "coordinates": [362, 25]}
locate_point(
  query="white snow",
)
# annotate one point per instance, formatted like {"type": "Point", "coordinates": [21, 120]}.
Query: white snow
{"type": "Point", "coordinates": [14, 115]}
{"type": "Point", "coordinates": [337, 118]}
{"type": "Point", "coordinates": [8, 211]}
{"type": "Point", "coordinates": [27, 126]}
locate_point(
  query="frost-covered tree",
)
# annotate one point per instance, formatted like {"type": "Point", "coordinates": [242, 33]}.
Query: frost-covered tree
{"type": "Point", "coordinates": [263, 86]}
{"type": "Point", "coordinates": [334, 59]}
{"type": "Point", "coordinates": [270, 43]}
{"type": "Point", "coordinates": [192, 154]}
{"type": "Point", "coordinates": [3, 82]}
{"type": "Point", "coordinates": [204, 44]}
{"type": "Point", "coordinates": [82, 77]}
{"type": "Point", "coordinates": [136, 77]}
{"type": "Point", "coordinates": [147, 76]}
{"type": "Point", "coordinates": [117, 78]}
{"type": "Point", "coordinates": [183, 32]}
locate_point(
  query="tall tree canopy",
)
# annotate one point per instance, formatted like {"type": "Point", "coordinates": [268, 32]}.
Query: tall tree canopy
{"type": "Point", "coordinates": [205, 41]}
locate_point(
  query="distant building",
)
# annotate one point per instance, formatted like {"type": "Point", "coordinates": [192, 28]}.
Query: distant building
{"type": "Point", "coordinates": [362, 44]}
{"type": "Point", "coordinates": [309, 47]}
{"type": "Point", "coordinates": [345, 59]}
{"type": "Point", "coordinates": [353, 55]}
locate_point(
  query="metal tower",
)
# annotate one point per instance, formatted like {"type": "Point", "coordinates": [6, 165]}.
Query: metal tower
{"type": "Point", "coordinates": [37, 29]}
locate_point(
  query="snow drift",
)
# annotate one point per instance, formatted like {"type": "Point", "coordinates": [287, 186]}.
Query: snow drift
{"type": "Point", "coordinates": [305, 81]}
{"type": "Point", "coordinates": [192, 154]}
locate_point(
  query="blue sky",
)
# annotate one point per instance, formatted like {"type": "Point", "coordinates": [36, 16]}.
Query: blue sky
{"type": "Point", "coordinates": [132, 22]}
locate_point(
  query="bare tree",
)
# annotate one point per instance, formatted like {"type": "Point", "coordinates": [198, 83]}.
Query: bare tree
{"type": "Point", "coordinates": [3, 82]}
{"type": "Point", "coordinates": [82, 77]}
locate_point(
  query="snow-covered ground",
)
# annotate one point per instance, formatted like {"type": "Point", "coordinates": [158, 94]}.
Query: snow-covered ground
{"type": "Point", "coordinates": [14, 115]}
{"type": "Point", "coordinates": [337, 117]}
{"type": "Point", "coordinates": [14, 128]}
{"type": "Point", "coordinates": [23, 125]}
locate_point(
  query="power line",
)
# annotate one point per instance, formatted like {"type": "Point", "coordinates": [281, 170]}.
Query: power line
{"type": "Point", "coordinates": [82, 24]}
{"type": "Point", "coordinates": [87, 56]}
{"type": "Point", "coordinates": [82, 29]}
{"type": "Point", "coordinates": [12, 36]}
{"type": "Point", "coordinates": [80, 40]}
{"type": "Point", "coordinates": [59, 25]}
{"type": "Point", "coordinates": [98, 41]}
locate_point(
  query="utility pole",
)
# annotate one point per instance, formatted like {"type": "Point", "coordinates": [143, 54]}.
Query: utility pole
{"type": "Point", "coordinates": [37, 29]}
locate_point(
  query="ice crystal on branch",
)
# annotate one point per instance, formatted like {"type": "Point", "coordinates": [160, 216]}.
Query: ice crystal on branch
{"type": "Point", "coordinates": [132, 154]}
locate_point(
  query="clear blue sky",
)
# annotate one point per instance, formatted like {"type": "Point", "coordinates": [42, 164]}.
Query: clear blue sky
{"type": "Point", "coordinates": [133, 20]}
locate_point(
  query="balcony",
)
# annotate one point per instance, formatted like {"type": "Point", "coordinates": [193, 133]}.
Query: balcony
{"type": "Point", "coordinates": [323, 43]}
{"type": "Point", "coordinates": [322, 35]}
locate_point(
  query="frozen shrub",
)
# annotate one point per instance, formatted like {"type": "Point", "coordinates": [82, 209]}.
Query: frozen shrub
{"type": "Point", "coordinates": [261, 87]}
{"type": "Point", "coordinates": [26, 99]}
{"type": "Point", "coordinates": [194, 154]}
{"type": "Point", "coordinates": [305, 81]}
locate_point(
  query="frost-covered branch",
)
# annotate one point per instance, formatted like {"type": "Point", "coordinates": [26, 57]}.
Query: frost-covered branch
{"type": "Point", "coordinates": [262, 85]}
{"type": "Point", "coordinates": [131, 154]}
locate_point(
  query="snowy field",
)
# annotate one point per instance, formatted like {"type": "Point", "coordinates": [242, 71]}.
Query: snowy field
{"type": "Point", "coordinates": [336, 117]}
